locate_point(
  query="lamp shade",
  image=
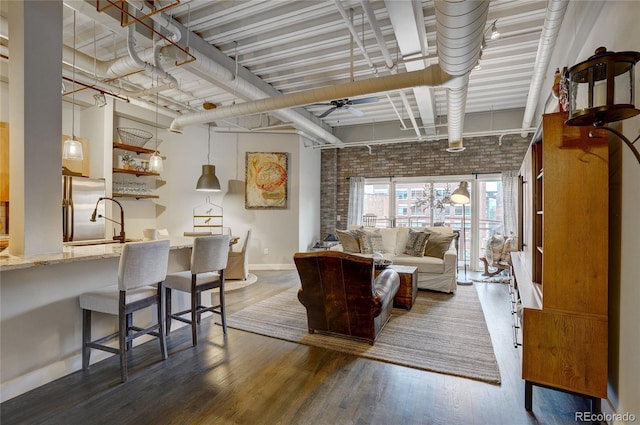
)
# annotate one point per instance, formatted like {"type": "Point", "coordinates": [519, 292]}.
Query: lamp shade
{"type": "Point", "coordinates": [601, 88]}
{"type": "Point", "coordinates": [155, 163]}
{"type": "Point", "coordinates": [208, 182]}
{"type": "Point", "coordinates": [72, 149]}
{"type": "Point", "coordinates": [461, 194]}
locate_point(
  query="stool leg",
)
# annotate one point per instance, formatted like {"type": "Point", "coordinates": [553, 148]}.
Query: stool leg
{"type": "Point", "coordinates": [86, 338]}
{"type": "Point", "coordinates": [167, 310]}
{"type": "Point", "coordinates": [129, 324]}
{"type": "Point", "coordinates": [122, 337]}
{"type": "Point", "coordinates": [222, 308]}
{"type": "Point", "coordinates": [163, 344]}
{"type": "Point", "coordinates": [194, 320]}
{"type": "Point", "coordinates": [199, 303]}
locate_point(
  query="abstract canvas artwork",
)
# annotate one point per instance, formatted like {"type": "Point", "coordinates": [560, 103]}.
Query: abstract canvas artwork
{"type": "Point", "coordinates": [266, 180]}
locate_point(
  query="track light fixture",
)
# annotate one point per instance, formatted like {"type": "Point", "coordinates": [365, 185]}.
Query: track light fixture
{"type": "Point", "coordinates": [495, 34]}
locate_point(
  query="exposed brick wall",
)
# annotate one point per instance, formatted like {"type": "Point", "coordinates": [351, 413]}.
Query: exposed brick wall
{"type": "Point", "coordinates": [482, 155]}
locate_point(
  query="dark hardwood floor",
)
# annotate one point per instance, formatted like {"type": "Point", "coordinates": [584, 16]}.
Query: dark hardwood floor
{"type": "Point", "coordinates": [251, 379]}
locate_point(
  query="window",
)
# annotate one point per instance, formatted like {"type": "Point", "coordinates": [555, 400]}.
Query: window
{"type": "Point", "coordinates": [425, 201]}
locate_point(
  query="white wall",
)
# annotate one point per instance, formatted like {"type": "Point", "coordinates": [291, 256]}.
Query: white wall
{"type": "Point", "coordinates": [309, 185]}
{"type": "Point", "coordinates": [276, 232]}
{"type": "Point", "coordinates": [588, 25]}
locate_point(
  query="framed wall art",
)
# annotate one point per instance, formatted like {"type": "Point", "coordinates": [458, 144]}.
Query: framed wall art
{"type": "Point", "coordinates": [267, 180]}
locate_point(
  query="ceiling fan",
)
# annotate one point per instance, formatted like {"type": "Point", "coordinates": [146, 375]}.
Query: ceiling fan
{"type": "Point", "coordinates": [347, 105]}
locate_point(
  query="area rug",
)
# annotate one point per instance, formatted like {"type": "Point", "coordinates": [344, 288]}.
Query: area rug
{"type": "Point", "coordinates": [442, 333]}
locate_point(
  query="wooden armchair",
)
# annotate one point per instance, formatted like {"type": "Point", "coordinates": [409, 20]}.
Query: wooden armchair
{"type": "Point", "coordinates": [342, 296]}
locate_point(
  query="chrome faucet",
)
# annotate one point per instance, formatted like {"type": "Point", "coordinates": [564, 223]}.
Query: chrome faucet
{"type": "Point", "coordinates": [120, 238]}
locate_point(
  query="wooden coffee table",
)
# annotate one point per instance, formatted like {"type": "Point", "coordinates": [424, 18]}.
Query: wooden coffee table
{"type": "Point", "coordinates": [406, 295]}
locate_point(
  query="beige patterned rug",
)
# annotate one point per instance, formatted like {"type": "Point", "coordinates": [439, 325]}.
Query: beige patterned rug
{"type": "Point", "coordinates": [442, 333]}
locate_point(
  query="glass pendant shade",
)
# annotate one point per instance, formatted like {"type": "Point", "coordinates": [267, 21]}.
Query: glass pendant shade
{"type": "Point", "coordinates": [601, 89]}
{"type": "Point", "coordinates": [208, 182]}
{"type": "Point", "coordinates": [72, 149]}
{"type": "Point", "coordinates": [155, 163]}
{"type": "Point", "coordinates": [461, 194]}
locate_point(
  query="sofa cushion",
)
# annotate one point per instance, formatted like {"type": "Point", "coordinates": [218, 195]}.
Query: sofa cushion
{"type": "Point", "coordinates": [370, 241]}
{"type": "Point", "coordinates": [349, 240]}
{"type": "Point", "coordinates": [438, 244]}
{"type": "Point", "coordinates": [401, 239]}
{"type": "Point", "coordinates": [416, 242]}
{"type": "Point", "coordinates": [389, 236]}
{"type": "Point", "coordinates": [424, 264]}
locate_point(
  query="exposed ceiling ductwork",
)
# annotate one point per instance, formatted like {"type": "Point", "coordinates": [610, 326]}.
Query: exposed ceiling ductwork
{"type": "Point", "coordinates": [460, 29]}
{"type": "Point", "coordinates": [301, 49]}
{"type": "Point", "coordinates": [431, 76]}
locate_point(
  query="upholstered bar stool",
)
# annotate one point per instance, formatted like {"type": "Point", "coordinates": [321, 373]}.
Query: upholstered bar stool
{"type": "Point", "coordinates": [208, 263]}
{"type": "Point", "coordinates": [142, 265]}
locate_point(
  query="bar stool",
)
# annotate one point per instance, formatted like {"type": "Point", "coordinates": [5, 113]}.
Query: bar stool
{"type": "Point", "coordinates": [142, 264]}
{"type": "Point", "coordinates": [208, 263]}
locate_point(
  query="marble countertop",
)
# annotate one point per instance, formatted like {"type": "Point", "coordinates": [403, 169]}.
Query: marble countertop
{"type": "Point", "coordinates": [76, 253]}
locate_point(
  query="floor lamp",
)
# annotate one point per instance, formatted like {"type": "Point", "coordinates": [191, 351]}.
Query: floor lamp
{"type": "Point", "coordinates": [461, 196]}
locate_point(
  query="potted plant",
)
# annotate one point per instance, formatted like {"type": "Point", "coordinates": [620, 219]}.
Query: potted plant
{"type": "Point", "coordinates": [127, 161]}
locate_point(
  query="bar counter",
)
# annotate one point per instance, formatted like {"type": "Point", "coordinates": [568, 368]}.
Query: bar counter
{"type": "Point", "coordinates": [40, 315]}
{"type": "Point", "coordinates": [72, 253]}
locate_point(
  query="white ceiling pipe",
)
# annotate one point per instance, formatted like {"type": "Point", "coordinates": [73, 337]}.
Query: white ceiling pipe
{"type": "Point", "coordinates": [205, 66]}
{"type": "Point", "coordinates": [158, 18]}
{"type": "Point", "coordinates": [460, 28]}
{"type": "Point", "coordinates": [430, 76]}
{"type": "Point", "coordinates": [550, 29]}
{"type": "Point", "coordinates": [148, 67]}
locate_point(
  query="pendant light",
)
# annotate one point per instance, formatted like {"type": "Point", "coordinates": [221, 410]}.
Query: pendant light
{"type": "Point", "coordinates": [72, 149]}
{"type": "Point", "coordinates": [155, 161]}
{"type": "Point", "coordinates": [208, 182]}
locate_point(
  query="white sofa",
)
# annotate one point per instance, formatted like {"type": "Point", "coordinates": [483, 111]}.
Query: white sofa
{"type": "Point", "coordinates": [437, 274]}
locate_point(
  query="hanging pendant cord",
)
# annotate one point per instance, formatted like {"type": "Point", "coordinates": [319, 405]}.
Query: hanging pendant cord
{"type": "Point", "coordinates": [157, 101]}
{"type": "Point", "coordinates": [209, 144]}
{"type": "Point", "coordinates": [73, 84]}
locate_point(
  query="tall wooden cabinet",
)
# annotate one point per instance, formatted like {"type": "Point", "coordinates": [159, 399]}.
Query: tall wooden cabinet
{"type": "Point", "coordinates": [561, 271]}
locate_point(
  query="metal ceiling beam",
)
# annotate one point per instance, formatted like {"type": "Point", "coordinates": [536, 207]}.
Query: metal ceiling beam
{"type": "Point", "coordinates": [408, 26]}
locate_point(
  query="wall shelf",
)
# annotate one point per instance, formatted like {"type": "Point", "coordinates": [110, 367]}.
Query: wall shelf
{"type": "Point", "coordinates": [131, 148]}
{"type": "Point", "coordinates": [137, 173]}
{"type": "Point", "coordinates": [133, 195]}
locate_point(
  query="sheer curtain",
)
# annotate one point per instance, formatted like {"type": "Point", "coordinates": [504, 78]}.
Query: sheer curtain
{"type": "Point", "coordinates": [356, 200]}
{"type": "Point", "coordinates": [510, 201]}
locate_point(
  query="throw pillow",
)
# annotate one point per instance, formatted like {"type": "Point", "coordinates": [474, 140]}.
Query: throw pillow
{"type": "Point", "coordinates": [349, 241]}
{"type": "Point", "coordinates": [510, 244]}
{"type": "Point", "coordinates": [438, 244]}
{"type": "Point", "coordinates": [370, 241]}
{"type": "Point", "coordinates": [493, 249]}
{"type": "Point", "coordinates": [416, 242]}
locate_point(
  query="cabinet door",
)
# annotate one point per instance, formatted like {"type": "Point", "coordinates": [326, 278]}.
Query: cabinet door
{"type": "Point", "coordinates": [566, 351]}
{"type": "Point", "coordinates": [575, 233]}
